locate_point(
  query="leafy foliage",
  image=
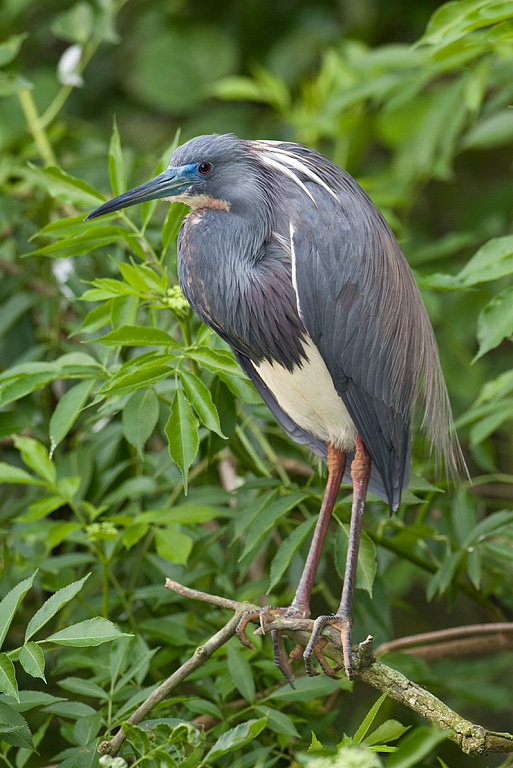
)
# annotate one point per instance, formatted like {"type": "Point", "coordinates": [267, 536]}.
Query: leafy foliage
{"type": "Point", "coordinates": [121, 416]}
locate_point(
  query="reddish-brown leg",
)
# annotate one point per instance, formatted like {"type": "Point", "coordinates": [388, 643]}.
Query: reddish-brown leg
{"type": "Point", "coordinates": [300, 606]}
{"type": "Point", "coordinates": [360, 475]}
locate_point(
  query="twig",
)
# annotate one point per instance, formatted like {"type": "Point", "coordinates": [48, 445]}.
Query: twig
{"type": "Point", "coordinates": [195, 594]}
{"type": "Point", "coordinates": [472, 739]}
{"type": "Point", "coordinates": [473, 639]}
{"type": "Point", "coordinates": [199, 657]}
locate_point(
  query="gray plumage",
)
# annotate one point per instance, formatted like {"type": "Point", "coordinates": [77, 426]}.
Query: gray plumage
{"type": "Point", "coordinates": [283, 247]}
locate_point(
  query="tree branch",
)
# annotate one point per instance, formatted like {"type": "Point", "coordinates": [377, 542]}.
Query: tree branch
{"type": "Point", "coordinates": [199, 657]}
{"type": "Point", "coordinates": [455, 641]}
{"type": "Point", "coordinates": [472, 739]}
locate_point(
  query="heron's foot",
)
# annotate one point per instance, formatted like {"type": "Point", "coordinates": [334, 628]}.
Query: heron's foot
{"type": "Point", "coordinates": [264, 617]}
{"type": "Point", "coordinates": [316, 643]}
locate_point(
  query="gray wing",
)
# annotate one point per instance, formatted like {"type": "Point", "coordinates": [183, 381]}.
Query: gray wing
{"type": "Point", "coordinates": [360, 304]}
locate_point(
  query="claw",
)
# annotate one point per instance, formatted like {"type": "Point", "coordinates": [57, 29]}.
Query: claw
{"type": "Point", "coordinates": [264, 616]}
{"type": "Point", "coordinates": [297, 653]}
{"type": "Point", "coordinates": [343, 624]}
{"type": "Point", "coordinates": [315, 637]}
{"type": "Point", "coordinates": [280, 658]}
{"type": "Point", "coordinates": [246, 617]}
{"type": "Point", "coordinates": [323, 662]}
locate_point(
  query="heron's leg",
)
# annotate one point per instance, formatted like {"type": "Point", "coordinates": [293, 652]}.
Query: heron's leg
{"type": "Point", "coordinates": [360, 475]}
{"type": "Point", "coordinates": [300, 605]}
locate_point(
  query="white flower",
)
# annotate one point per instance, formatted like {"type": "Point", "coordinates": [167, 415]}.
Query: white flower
{"type": "Point", "coordinates": [67, 68]}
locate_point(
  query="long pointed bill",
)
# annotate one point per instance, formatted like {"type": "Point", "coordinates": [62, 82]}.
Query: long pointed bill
{"type": "Point", "coordinates": [171, 182]}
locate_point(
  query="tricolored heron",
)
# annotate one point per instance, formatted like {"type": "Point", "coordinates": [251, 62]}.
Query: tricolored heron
{"type": "Point", "coordinates": [289, 261]}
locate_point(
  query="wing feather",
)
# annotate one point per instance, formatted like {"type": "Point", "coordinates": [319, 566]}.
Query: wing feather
{"type": "Point", "coordinates": [361, 306]}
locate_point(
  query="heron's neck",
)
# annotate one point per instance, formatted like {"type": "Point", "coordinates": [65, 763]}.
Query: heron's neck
{"type": "Point", "coordinates": [238, 280]}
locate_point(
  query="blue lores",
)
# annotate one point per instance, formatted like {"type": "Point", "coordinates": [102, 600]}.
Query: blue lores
{"type": "Point", "coordinates": [289, 261]}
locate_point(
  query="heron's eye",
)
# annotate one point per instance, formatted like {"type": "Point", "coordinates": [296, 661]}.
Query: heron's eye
{"type": "Point", "coordinates": [204, 168]}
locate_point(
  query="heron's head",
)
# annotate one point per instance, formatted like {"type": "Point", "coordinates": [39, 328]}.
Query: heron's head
{"type": "Point", "coordinates": [214, 171]}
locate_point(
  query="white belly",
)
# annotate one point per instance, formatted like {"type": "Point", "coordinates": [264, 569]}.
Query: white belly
{"type": "Point", "coordinates": [308, 396]}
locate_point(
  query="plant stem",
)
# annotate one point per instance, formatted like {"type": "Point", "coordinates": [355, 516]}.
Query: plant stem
{"type": "Point", "coordinates": [34, 125]}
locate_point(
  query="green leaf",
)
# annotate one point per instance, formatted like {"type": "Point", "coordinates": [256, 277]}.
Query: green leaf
{"type": "Point", "coordinates": [454, 20]}
{"type": "Point", "coordinates": [35, 456]}
{"type": "Point", "coordinates": [268, 518]}
{"type": "Point", "coordinates": [368, 719]}
{"type": "Point", "coordinates": [10, 423]}
{"type": "Point", "coordinates": [83, 687]}
{"type": "Point", "coordinates": [110, 288]}
{"type": "Point", "coordinates": [216, 360]}
{"type": "Point", "coordinates": [235, 738]}
{"type": "Point", "coordinates": [495, 322]}
{"type": "Point", "coordinates": [492, 525]}
{"type": "Point", "coordinates": [85, 731]}
{"type": "Point", "coordinates": [387, 731]}
{"type": "Point", "coordinates": [135, 276]}
{"type": "Point", "coordinates": [490, 132]}
{"type": "Point", "coordinates": [415, 747]}
{"type": "Point", "coordinates": [123, 383]}
{"type": "Point", "coordinates": [11, 83]}
{"type": "Point", "coordinates": [278, 721]}
{"type": "Point", "coordinates": [10, 603]}
{"type": "Point", "coordinates": [494, 415]}
{"type": "Point", "coordinates": [288, 549]}
{"type": "Point", "coordinates": [59, 532]}
{"type": "Point", "coordinates": [51, 606]}
{"type": "Point", "coordinates": [67, 410]}
{"type": "Point", "coordinates": [10, 474]}
{"type": "Point", "coordinates": [137, 736]}
{"type": "Point", "coordinates": [309, 688]}
{"type": "Point", "coordinates": [366, 568]}
{"type": "Point", "coordinates": [76, 24]}
{"type": "Point", "coordinates": [240, 88]}
{"type": "Point", "coordinates": [183, 513]}
{"type": "Point", "coordinates": [67, 188]}
{"type": "Point", "coordinates": [493, 260]}
{"type": "Point", "coordinates": [90, 632]}
{"type": "Point", "coordinates": [18, 388]}
{"type": "Point", "coordinates": [182, 434]}
{"type": "Point", "coordinates": [445, 574]}
{"type": "Point", "coordinates": [252, 511]}
{"type": "Point", "coordinates": [475, 567]}
{"type": "Point", "coordinates": [241, 672]}
{"type": "Point", "coordinates": [172, 223]}
{"type": "Point", "coordinates": [95, 236]}
{"type": "Point", "coordinates": [20, 736]}
{"type": "Point", "coordinates": [8, 682]}
{"type": "Point", "coordinates": [124, 310]}
{"type": "Point", "coordinates": [68, 225]}
{"type": "Point", "coordinates": [116, 165]}
{"type": "Point", "coordinates": [32, 660]}
{"type": "Point", "coordinates": [135, 335]}
{"type": "Point", "coordinates": [173, 545]}
{"type": "Point", "coordinates": [10, 48]}
{"type": "Point", "coordinates": [96, 318]}
{"type": "Point", "coordinates": [15, 307]}
{"type": "Point", "coordinates": [241, 388]}
{"type": "Point", "coordinates": [140, 416]}
{"type": "Point", "coordinates": [201, 400]}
